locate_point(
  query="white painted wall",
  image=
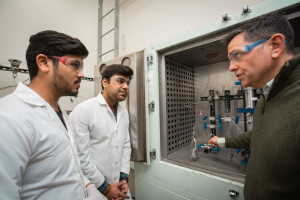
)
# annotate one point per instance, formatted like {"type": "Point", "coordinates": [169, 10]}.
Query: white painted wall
{"type": "Point", "coordinates": [19, 19]}
{"type": "Point", "coordinates": [145, 22]}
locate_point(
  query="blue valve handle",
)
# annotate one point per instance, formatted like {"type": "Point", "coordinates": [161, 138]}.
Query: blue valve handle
{"type": "Point", "coordinates": [204, 118]}
{"type": "Point", "coordinates": [220, 122]}
{"type": "Point", "coordinates": [244, 161]}
{"type": "Point", "coordinates": [238, 150]}
{"type": "Point", "coordinates": [237, 119]}
{"type": "Point", "coordinates": [199, 145]}
{"type": "Point", "coordinates": [205, 125]}
{"type": "Point", "coordinates": [216, 149]}
{"type": "Point", "coordinates": [219, 118]}
{"type": "Point", "coordinates": [238, 83]}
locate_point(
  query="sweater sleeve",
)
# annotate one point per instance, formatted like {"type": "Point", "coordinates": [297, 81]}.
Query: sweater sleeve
{"type": "Point", "coordinates": [241, 141]}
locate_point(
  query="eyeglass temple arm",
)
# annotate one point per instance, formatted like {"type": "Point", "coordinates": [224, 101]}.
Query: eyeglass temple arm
{"type": "Point", "coordinates": [249, 47]}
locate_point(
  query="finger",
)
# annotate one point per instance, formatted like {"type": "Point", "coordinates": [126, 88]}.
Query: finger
{"type": "Point", "coordinates": [126, 197]}
{"type": "Point", "coordinates": [119, 184]}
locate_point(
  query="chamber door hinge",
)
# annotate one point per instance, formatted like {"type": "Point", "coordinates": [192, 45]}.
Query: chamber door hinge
{"type": "Point", "coordinates": [153, 154]}
{"type": "Point", "coordinates": [150, 58]}
{"type": "Point", "coordinates": [152, 106]}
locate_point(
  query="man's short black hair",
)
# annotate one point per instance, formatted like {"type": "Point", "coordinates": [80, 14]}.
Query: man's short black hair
{"type": "Point", "coordinates": [116, 69]}
{"type": "Point", "coordinates": [52, 43]}
{"type": "Point", "coordinates": [264, 27]}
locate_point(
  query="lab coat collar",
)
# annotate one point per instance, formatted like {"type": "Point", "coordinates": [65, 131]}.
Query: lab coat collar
{"type": "Point", "coordinates": [29, 96]}
{"type": "Point", "coordinates": [102, 101]}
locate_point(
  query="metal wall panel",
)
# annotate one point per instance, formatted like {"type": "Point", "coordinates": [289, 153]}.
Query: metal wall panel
{"type": "Point", "coordinates": [179, 91]}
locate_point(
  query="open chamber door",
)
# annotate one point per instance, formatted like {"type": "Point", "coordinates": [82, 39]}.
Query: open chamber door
{"type": "Point", "coordinates": [135, 102]}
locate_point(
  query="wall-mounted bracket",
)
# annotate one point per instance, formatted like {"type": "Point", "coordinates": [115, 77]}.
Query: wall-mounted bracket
{"type": "Point", "coordinates": [225, 17]}
{"type": "Point", "coordinates": [153, 154]}
{"type": "Point", "coordinates": [246, 9]}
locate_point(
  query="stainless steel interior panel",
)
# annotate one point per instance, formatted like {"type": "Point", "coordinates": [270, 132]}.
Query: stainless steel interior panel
{"type": "Point", "coordinates": [135, 102]}
{"type": "Point", "coordinates": [179, 90]}
{"type": "Point", "coordinates": [216, 77]}
{"type": "Point", "coordinates": [206, 54]}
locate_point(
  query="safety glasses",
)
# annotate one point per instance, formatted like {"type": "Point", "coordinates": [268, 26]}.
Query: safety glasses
{"type": "Point", "coordinates": [238, 54]}
{"type": "Point", "coordinates": [121, 81]}
{"type": "Point", "coordinates": [73, 64]}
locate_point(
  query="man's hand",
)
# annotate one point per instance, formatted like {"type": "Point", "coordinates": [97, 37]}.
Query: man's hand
{"type": "Point", "coordinates": [124, 187]}
{"type": "Point", "coordinates": [214, 141]}
{"type": "Point", "coordinates": [115, 192]}
{"type": "Point", "coordinates": [93, 193]}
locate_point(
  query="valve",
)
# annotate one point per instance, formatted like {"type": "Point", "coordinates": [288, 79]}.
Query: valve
{"type": "Point", "coordinates": [205, 125]}
{"type": "Point", "coordinates": [238, 150]}
{"type": "Point", "coordinates": [236, 119]}
{"type": "Point", "coordinates": [199, 145]}
{"type": "Point", "coordinates": [238, 83]}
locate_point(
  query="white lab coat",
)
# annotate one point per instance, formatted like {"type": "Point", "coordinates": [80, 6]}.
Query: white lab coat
{"type": "Point", "coordinates": [103, 144]}
{"type": "Point", "coordinates": [38, 156]}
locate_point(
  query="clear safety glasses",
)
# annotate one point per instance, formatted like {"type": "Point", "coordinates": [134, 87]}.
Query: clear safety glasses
{"type": "Point", "coordinates": [73, 64]}
{"type": "Point", "coordinates": [238, 54]}
{"type": "Point", "coordinates": [121, 81]}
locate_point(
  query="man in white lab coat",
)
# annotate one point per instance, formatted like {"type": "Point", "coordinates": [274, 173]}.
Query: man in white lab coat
{"type": "Point", "coordinates": [38, 155]}
{"type": "Point", "coordinates": [101, 131]}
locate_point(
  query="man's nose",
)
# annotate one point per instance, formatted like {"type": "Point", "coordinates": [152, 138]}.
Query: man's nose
{"type": "Point", "coordinates": [233, 66]}
{"type": "Point", "coordinates": [125, 86]}
{"type": "Point", "coordinates": [80, 73]}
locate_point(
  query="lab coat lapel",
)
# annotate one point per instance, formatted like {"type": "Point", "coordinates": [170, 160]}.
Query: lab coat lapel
{"type": "Point", "coordinates": [102, 101]}
{"type": "Point", "coordinates": [119, 113]}
{"type": "Point", "coordinates": [54, 117]}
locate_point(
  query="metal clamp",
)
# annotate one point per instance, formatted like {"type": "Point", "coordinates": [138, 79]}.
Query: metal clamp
{"type": "Point", "coordinates": [153, 154]}
{"type": "Point", "coordinates": [151, 106]}
{"type": "Point", "coordinates": [233, 193]}
{"type": "Point", "coordinates": [150, 58]}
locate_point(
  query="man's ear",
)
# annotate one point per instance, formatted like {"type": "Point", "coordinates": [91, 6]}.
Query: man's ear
{"type": "Point", "coordinates": [104, 83]}
{"type": "Point", "coordinates": [277, 43]}
{"type": "Point", "coordinates": [42, 62]}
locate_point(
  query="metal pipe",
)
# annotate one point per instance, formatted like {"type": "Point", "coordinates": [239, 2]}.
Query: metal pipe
{"type": "Point", "coordinates": [107, 32]}
{"type": "Point", "coordinates": [116, 27]}
{"type": "Point", "coordinates": [106, 53]}
{"type": "Point", "coordinates": [100, 11]}
{"type": "Point", "coordinates": [107, 13]}
{"type": "Point", "coordinates": [250, 102]}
